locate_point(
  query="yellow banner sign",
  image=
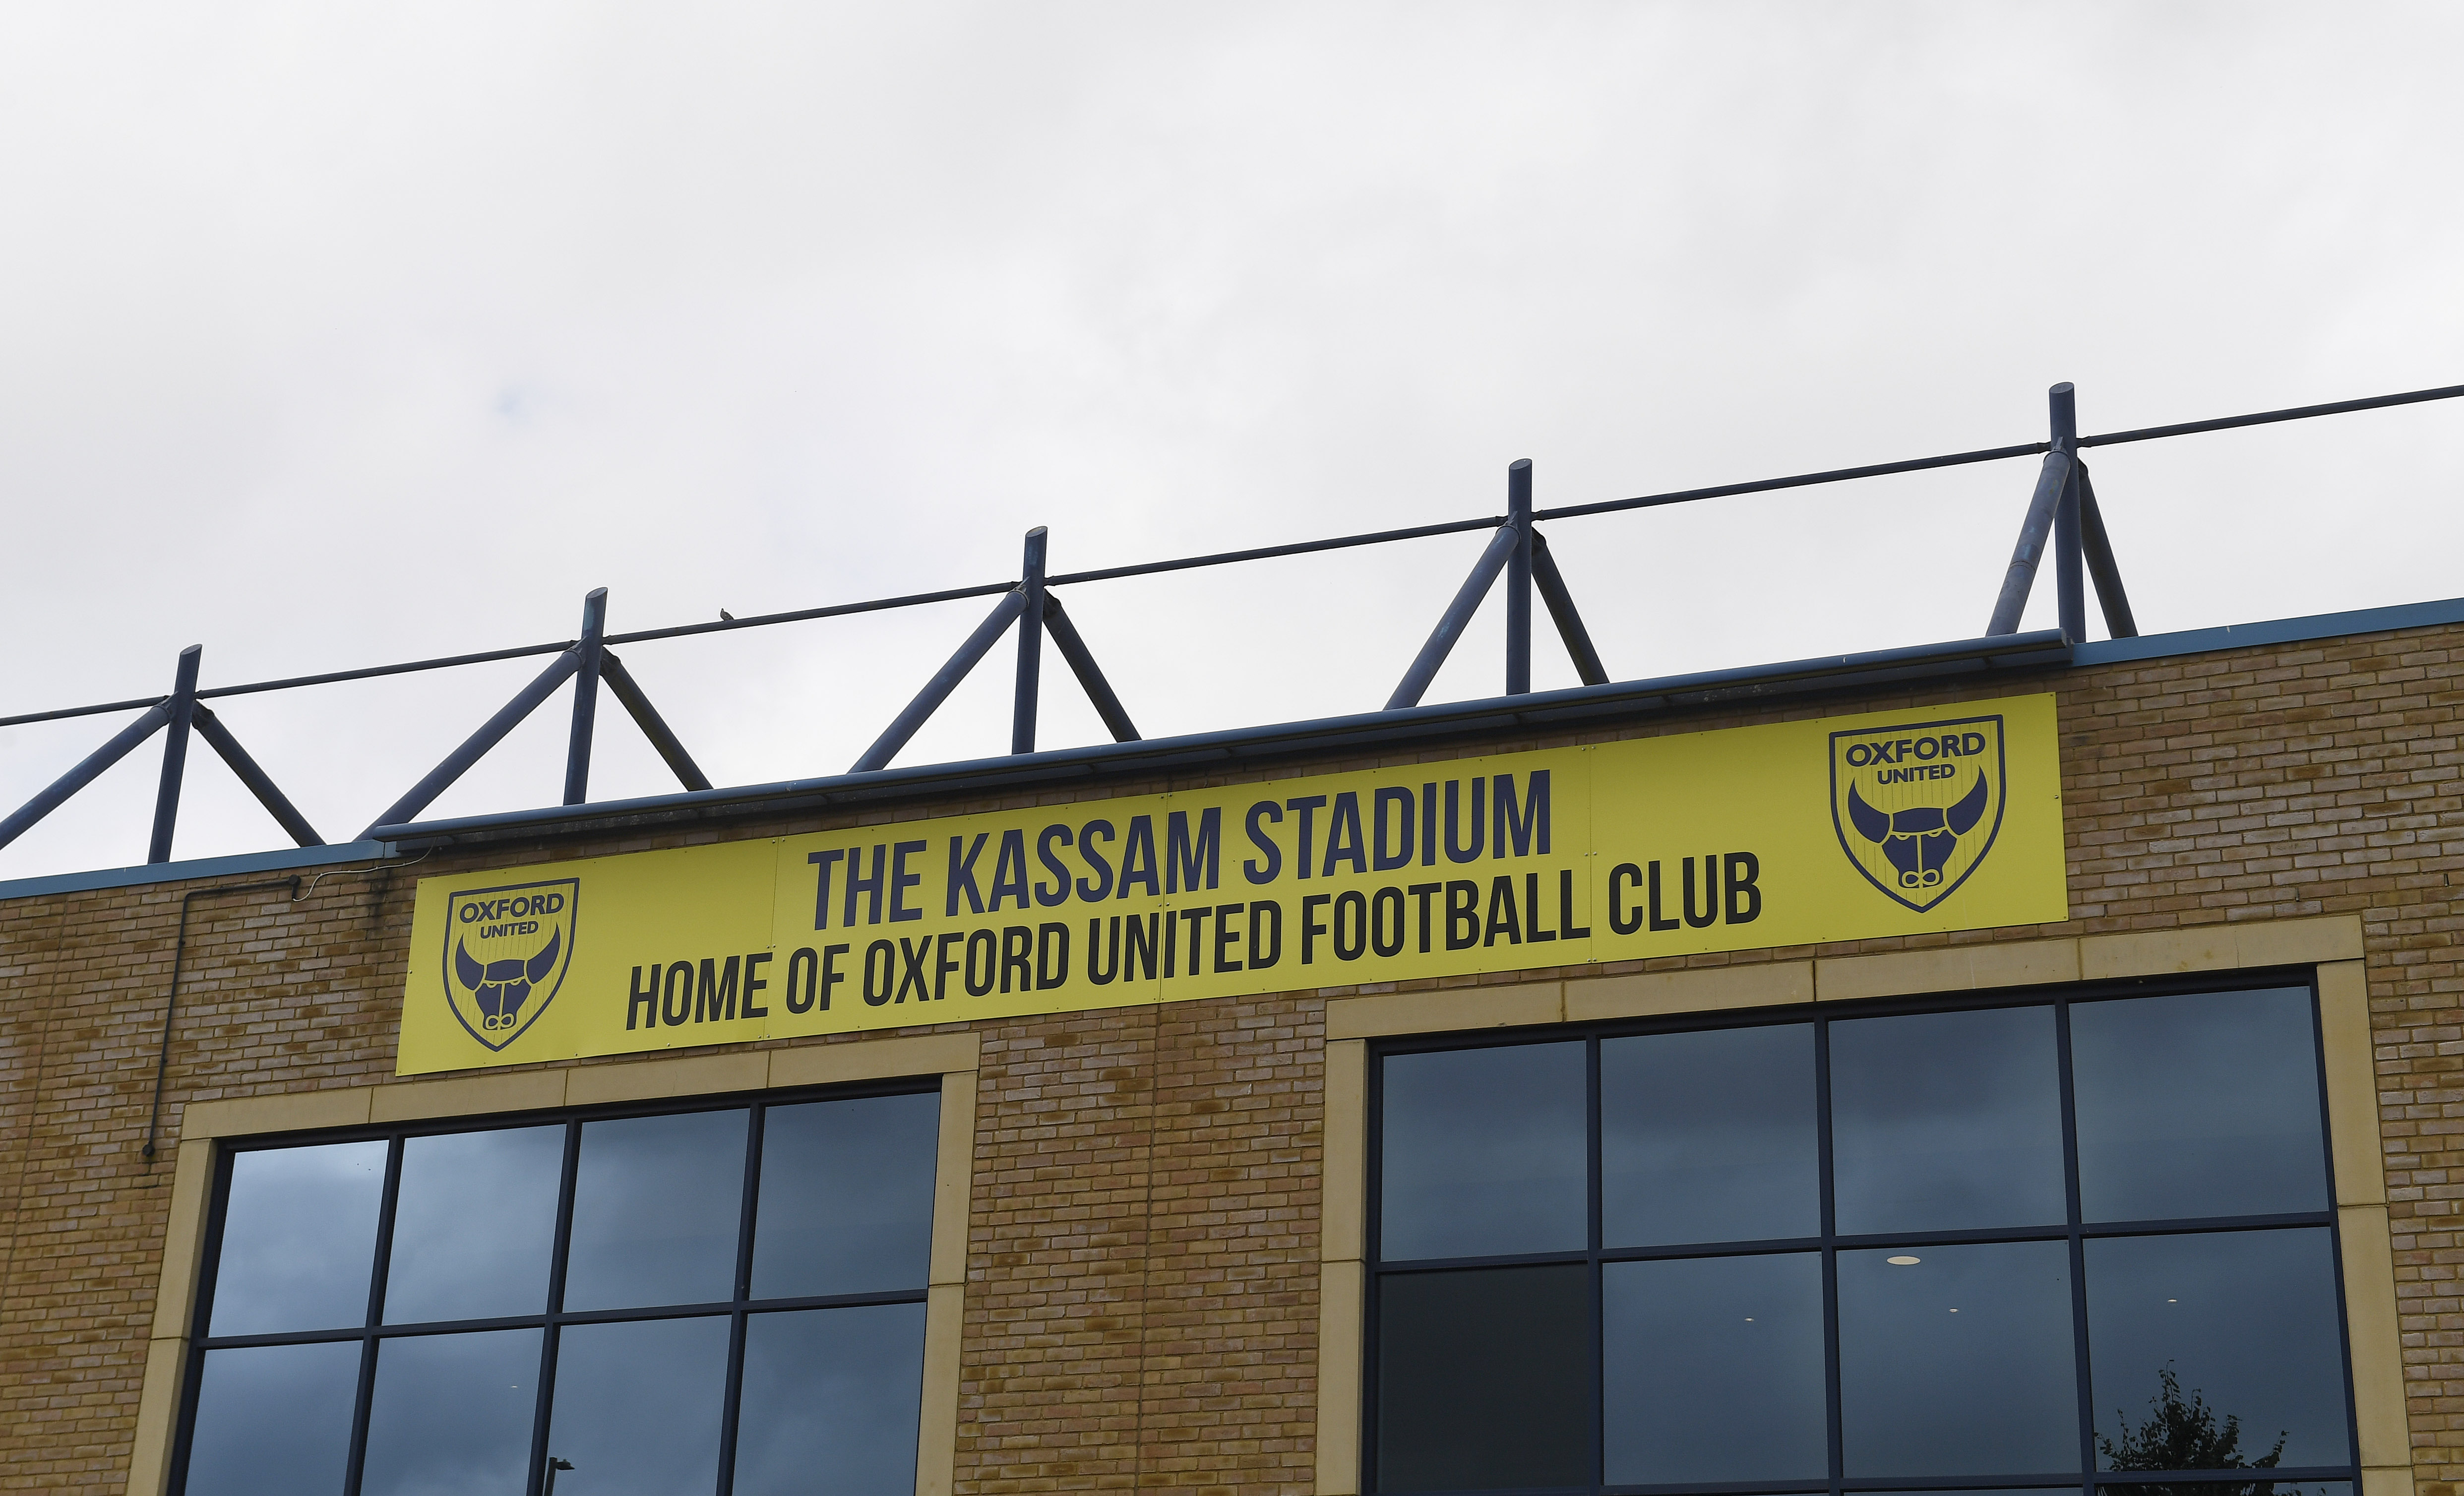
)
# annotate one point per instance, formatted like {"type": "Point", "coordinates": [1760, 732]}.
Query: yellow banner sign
{"type": "Point", "coordinates": [1792, 834]}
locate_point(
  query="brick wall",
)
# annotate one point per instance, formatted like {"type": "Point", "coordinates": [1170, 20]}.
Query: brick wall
{"type": "Point", "coordinates": [1141, 1309]}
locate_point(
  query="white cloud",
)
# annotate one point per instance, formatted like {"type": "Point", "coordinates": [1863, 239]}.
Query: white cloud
{"type": "Point", "coordinates": [333, 335]}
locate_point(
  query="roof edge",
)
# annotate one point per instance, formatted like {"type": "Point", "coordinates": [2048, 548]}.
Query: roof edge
{"type": "Point", "coordinates": [1993, 656]}
{"type": "Point", "coordinates": [288, 858]}
{"type": "Point", "coordinates": [1371, 729]}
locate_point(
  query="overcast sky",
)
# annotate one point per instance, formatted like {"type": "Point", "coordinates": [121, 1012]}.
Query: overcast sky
{"type": "Point", "coordinates": [336, 335]}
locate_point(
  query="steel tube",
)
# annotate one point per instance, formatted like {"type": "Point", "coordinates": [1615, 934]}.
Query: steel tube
{"type": "Point", "coordinates": [2069, 587]}
{"type": "Point", "coordinates": [490, 734]}
{"type": "Point", "coordinates": [938, 689]}
{"type": "Point", "coordinates": [85, 772]}
{"type": "Point", "coordinates": [1877, 470]}
{"type": "Point", "coordinates": [1341, 542]}
{"type": "Point", "coordinates": [2033, 532]}
{"type": "Point", "coordinates": [803, 614]}
{"type": "Point", "coordinates": [1518, 579]}
{"type": "Point", "coordinates": [1030, 645]}
{"type": "Point", "coordinates": [2149, 433]}
{"type": "Point", "coordinates": [259, 784]}
{"type": "Point", "coordinates": [585, 694]}
{"type": "Point", "coordinates": [1414, 683]}
{"type": "Point", "coordinates": [1561, 613]}
{"type": "Point", "coordinates": [175, 754]}
{"type": "Point", "coordinates": [2101, 564]}
{"type": "Point", "coordinates": [645, 716]}
{"type": "Point", "coordinates": [1091, 677]}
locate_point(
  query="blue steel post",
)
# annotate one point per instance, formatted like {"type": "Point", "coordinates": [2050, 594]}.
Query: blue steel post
{"type": "Point", "coordinates": [1518, 580]}
{"type": "Point", "coordinates": [945, 681]}
{"type": "Point", "coordinates": [2101, 564]}
{"type": "Point", "coordinates": [259, 784]}
{"type": "Point", "coordinates": [85, 772]}
{"type": "Point", "coordinates": [1423, 669]}
{"type": "Point", "coordinates": [2069, 582]}
{"type": "Point", "coordinates": [1074, 648]}
{"type": "Point", "coordinates": [1030, 645]}
{"type": "Point", "coordinates": [1551, 583]}
{"type": "Point", "coordinates": [654, 727]}
{"type": "Point", "coordinates": [175, 754]}
{"type": "Point", "coordinates": [586, 695]}
{"type": "Point", "coordinates": [490, 732]}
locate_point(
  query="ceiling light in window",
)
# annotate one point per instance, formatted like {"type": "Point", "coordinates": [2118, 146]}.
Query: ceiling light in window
{"type": "Point", "coordinates": [1904, 1262]}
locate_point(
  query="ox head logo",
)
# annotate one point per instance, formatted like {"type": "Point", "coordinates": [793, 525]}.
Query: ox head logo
{"type": "Point", "coordinates": [1916, 805]}
{"type": "Point", "coordinates": [507, 951]}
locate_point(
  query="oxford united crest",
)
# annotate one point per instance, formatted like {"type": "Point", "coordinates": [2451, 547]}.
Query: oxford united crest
{"type": "Point", "coordinates": [1917, 804]}
{"type": "Point", "coordinates": [506, 953]}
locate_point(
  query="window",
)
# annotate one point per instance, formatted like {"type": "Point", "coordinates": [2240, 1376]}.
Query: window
{"type": "Point", "coordinates": [2051, 1246]}
{"type": "Point", "coordinates": [729, 1299]}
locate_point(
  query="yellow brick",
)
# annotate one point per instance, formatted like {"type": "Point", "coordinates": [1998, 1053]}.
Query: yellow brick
{"type": "Point", "coordinates": [2352, 1085]}
{"type": "Point", "coordinates": [289, 1112]}
{"type": "Point", "coordinates": [659, 1080]}
{"type": "Point", "coordinates": [469, 1096]}
{"type": "Point", "coordinates": [1445, 1010]}
{"type": "Point", "coordinates": [1957, 968]}
{"type": "Point", "coordinates": [1701, 990]}
{"type": "Point", "coordinates": [874, 1058]}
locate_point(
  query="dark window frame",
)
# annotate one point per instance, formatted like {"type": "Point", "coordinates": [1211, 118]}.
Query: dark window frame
{"type": "Point", "coordinates": [738, 1309]}
{"type": "Point", "coordinates": [1829, 1244]}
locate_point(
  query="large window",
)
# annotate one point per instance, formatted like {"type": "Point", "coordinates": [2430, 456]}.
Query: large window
{"type": "Point", "coordinates": [2085, 1242]}
{"type": "Point", "coordinates": [725, 1300]}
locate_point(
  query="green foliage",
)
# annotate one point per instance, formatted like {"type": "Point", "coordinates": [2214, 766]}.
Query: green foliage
{"type": "Point", "coordinates": [2185, 1434]}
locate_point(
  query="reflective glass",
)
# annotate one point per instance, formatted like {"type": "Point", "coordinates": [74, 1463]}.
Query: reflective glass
{"type": "Point", "coordinates": [2186, 1332]}
{"type": "Point", "coordinates": [2224, 1489]}
{"type": "Point", "coordinates": [299, 1239]}
{"type": "Point", "coordinates": [847, 1196]}
{"type": "Point", "coordinates": [657, 1204]}
{"type": "Point", "coordinates": [1709, 1137]}
{"type": "Point", "coordinates": [475, 1224]}
{"type": "Point", "coordinates": [1484, 1379]}
{"type": "Point", "coordinates": [2199, 1104]}
{"type": "Point", "coordinates": [1714, 1370]}
{"type": "Point", "coordinates": [452, 1415]}
{"type": "Point", "coordinates": [1484, 1153]}
{"type": "Point", "coordinates": [1946, 1122]}
{"type": "Point", "coordinates": [1958, 1362]}
{"type": "Point", "coordinates": [637, 1405]}
{"type": "Point", "coordinates": [830, 1404]}
{"type": "Point", "coordinates": [274, 1419]}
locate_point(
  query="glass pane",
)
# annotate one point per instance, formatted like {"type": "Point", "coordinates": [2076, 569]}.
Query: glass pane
{"type": "Point", "coordinates": [2200, 1103]}
{"type": "Point", "coordinates": [2211, 1351]}
{"type": "Point", "coordinates": [656, 1203]}
{"type": "Point", "coordinates": [831, 1402]}
{"type": "Point", "coordinates": [475, 1224]}
{"type": "Point", "coordinates": [1484, 1153]}
{"type": "Point", "coordinates": [274, 1419]}
{"type": "Point", "coordinates": [1958, 1359]}
{"type": "Point", "coordinates": [847, 1196]}
{"type": "Point", "coordinates": [1946, 1122]}
{"type": "Point", "coordinates": [1484, 1380]}
{"type": "Point", "coordinates": [1714, 1370]}
{"type": "Point", "coordinates": [2224, 1489]}
{"type": "Point", "coordinates": [637, 1405]}
{"type": "Point", "coordinates": [452, 1415]}
{"type": "Point", "coordinates": [299, 1239]}
{"type": "Point", "coordinates": [1708, 1137]}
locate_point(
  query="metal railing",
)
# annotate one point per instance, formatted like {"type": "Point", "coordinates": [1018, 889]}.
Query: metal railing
{"type": "Point", "coordinates": [2062, 516]}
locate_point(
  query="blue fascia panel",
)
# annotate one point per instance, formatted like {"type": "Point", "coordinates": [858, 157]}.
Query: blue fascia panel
{"type": "Point", "coordinates": [2278, 630]}
{"type": "Point", "coordinates": [199, 868]}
